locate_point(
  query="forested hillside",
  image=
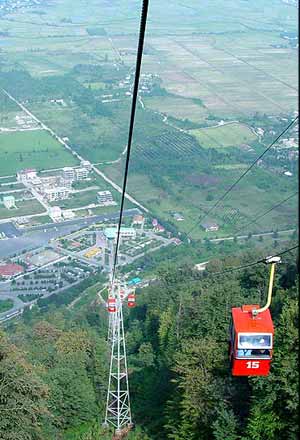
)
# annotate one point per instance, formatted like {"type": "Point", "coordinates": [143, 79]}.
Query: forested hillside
{"type": "Point", "coordinates": [53, 367]}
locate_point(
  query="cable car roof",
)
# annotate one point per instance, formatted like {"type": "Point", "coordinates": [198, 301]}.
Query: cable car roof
{"type": "Point", "coordinates": [244, 322]}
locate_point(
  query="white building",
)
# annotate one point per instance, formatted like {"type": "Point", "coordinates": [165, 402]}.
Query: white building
{"type": "Point", "coordinates": [55, 213]}
{"type": "Point", "coordinates": [9, 202]}
{"type": "Point", "coordinates": [27, 175]}
{"type": "Point", "coordinates": [105, 198]}
{"type": "Point", "coordinates": [58, 193]}
{"type": "Point", "coordinates": [81, 173]}
{"type": "Point", "coordinates": [210, 226]}
{"type": "Point", "coordinates": [111, 233]}
{"type": "Point", "coordinates": [65, 183]}
{"type": "Point", "coordinates": [68, 173]}
{"type": "Point", "coordinates": [48, 181]}
{"type": "Point", "coordinates": [86, 164]}
{"type": "Point", "coordinates": [138, 219]}
{"type": "Point", "coordinates": [68, 214]}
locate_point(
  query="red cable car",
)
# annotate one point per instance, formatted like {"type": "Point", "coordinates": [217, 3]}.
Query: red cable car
{"type": "Point", "coordinates": [131, 300]}
{"type": "Point", "coordinates": [112, 305]}
{"type": "Point", "coordinates": [251, 341]}
{"type": "Point", "coordinates": [122, 293]}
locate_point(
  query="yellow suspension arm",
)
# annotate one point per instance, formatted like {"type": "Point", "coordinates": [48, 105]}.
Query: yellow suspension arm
{"type": "Point", "coordinates": [273, 261]}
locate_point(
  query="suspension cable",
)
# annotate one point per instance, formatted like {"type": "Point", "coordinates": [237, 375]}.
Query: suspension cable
{"type": "Point", "coordinates": [131, 124]}
{"type": "Point", "coordinates": [242, 176]}
{"type": "Point", "coordinates": [245, 266]}
{"type": "Point", "coordinates": [237, 268]}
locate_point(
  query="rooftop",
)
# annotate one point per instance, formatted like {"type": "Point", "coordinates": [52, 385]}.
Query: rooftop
{"type": "Point", "coordinates": [112, 232]}
{"type": "Point", "coordinates": [7, 270]}
{"type": "Point", "coordinates": [209, 224]}
{"type": "Point", "coordinates": [245, 323]}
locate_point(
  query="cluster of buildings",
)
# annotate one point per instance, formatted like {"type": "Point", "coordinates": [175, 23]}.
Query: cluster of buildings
{"type": "Point", "coordinates": [57, 187]}
{"type": "Point", "coordinates": [147, 83]}
{"type": "Point", "coordinates": [57, 214]}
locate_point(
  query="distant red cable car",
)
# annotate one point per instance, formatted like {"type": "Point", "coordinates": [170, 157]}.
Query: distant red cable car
{"type": "Point", "coordinates": [112, 305]}
{"type": "Point", "coordinates": [251, 341]}
{"type": "Point", "coordinates": [122, 293]}
{"type": "Point", "coordinates": [131, 300]}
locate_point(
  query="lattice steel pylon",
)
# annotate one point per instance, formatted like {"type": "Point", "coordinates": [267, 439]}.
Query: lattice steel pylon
{"type": "Point", "coordinates": [118, 412]}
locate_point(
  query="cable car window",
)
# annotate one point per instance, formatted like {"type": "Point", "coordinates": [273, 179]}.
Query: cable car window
{"type": "Point", "coordinates": [254, 340]}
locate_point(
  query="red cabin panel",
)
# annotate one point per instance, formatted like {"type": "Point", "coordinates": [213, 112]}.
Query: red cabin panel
{"type": "Point", "coordinates": [251, 367]}
{"type": "Point", "coordinates": [111, 305]}
{"type": "Point", "coordinates": [251, 344]}
{"type": "Point", "coordinates": [131, 300]}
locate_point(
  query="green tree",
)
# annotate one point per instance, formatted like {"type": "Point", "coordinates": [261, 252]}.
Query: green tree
{"type": "Point", "coordinates": [72, 396]}
{"type": "Point", "coordinates": [275, 408]}
{"type": "Point", "coordinates": [23, 397]}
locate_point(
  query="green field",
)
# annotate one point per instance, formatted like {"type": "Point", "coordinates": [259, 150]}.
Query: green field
{"type": "Point", "coordinates": [177, 107]}
{"type": "Point", "coordinates": [5, 305]}
{"type": "Point", "coordinates": [229, 135]}
{"type": "Point", "coordinates": [95, 138]}
{"type": "Point", "coordinates": [34, 149]}
{"type": "Point", "coordinates": [27, 207]}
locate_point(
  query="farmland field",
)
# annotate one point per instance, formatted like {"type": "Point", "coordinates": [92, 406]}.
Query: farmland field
{"type": "Point", "coordinates": [211, 61]}
{"type": "Point", "coordinates": [35, 149]}
{"type": "Point", "coordinates": [178, 107]}
{"type": "Point", "coordinates": [229, 135]}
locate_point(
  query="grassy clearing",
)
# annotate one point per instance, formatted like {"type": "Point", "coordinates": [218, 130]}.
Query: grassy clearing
{"type": "Point", "coordinates": [229, 135]}
{"type": "Point", "coordinates": [34, 149]}
{"type": "Point", "coordinates": [88, 295]}
{"type": "Point", "coordinates": [41, 220]}
{"type": "Point", "coordinates": [27, 207]}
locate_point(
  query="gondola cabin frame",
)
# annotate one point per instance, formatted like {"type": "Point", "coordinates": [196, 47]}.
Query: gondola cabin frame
{"type": "Point", "coordinates": [131, 300]}
{"type": "Point", "coordinates": [112, 305]}
{"type": "Point", "coordinates": [251, 341]}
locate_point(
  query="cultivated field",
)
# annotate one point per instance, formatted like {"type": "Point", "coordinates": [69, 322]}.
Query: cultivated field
{"type": "Point", "coordinates": [216, 61]}
{"type": "Point", "coordinates": [232, 57]}
{"type": "Point", "coordinates": [178, 107]}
